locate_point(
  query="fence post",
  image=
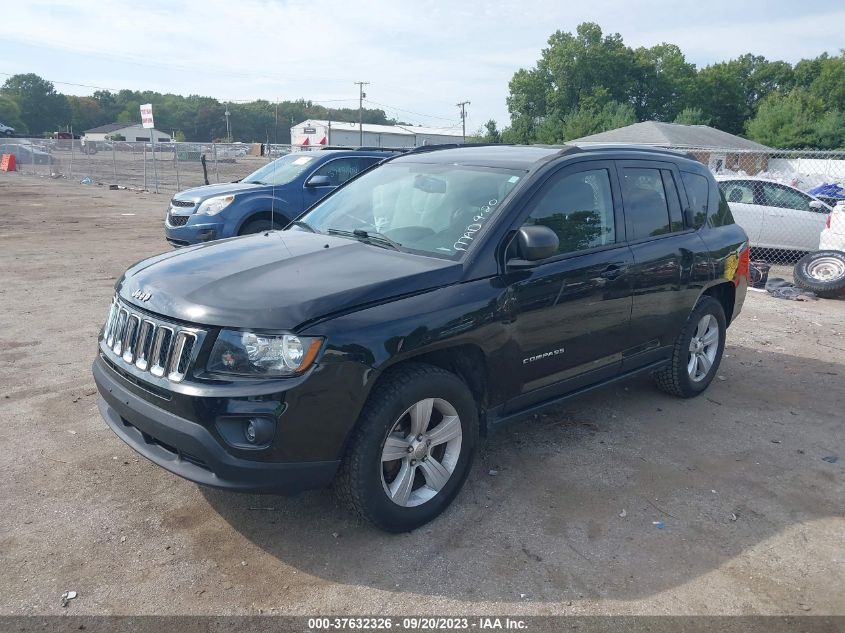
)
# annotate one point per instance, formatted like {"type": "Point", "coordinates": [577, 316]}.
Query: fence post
{"type": "Point", "coordinates": [216, 167]}
{"type": "Point", "coordinates": [113, 162]}
{"type": "Point", "coordinates": [71, 157]}
{"type": "Point", "coordinates": [145, 165]}
{"type": "Point", "coordinates": [155, 166]}
{"type": "Point", "coordinates": [90, 173]}
{"type": "Point", "coordinates": [176, 165]}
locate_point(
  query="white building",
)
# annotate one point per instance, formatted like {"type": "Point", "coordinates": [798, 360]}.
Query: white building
{"type": "Point", "coordinates": [316, 133]}
{"type": "Point", "coordinates": [129, 131]}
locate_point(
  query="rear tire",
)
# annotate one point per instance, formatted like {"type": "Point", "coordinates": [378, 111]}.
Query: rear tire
{"type": "Point", "coordinates": [259, 226]}
{"type": "Point", "coordinates": [412, 450]}
{"type": "Point", "coordinates": [697, 351]}
{"type": "Point", "coordinates": [822, 272]}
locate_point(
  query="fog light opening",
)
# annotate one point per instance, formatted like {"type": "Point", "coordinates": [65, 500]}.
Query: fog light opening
{"type": "Point", "coordinates": [250, 432]}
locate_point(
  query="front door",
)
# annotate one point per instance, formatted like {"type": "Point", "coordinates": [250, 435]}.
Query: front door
{"type": "Point", "coordinates": [338, 171]}
{"type": "Point", "coordinates": [790, 222]}
{"type": "Point", "coordinates": [572, 311]}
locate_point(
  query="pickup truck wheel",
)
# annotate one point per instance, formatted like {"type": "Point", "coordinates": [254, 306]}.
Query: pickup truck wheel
{"type": "Point", "coordinates": [412, 450]}
{"type": "Point", "coordinates": [697, 351]}
{"type": "Point", "coordinates": [822, 272]}
{"type": "Point", "coordinates": [257, 226]}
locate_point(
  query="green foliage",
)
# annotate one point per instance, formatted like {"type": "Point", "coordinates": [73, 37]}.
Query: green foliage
{"type": "Point", "coordinates": [795, 120]}
{"type": "Point", "coordinates": [587, 81]}
{"type": "Point", "coordinates": [10, 113]}
{"type": "Point", "coordinates": [42, 109]}
{"type": "Point", "coordinates": [692, 116]}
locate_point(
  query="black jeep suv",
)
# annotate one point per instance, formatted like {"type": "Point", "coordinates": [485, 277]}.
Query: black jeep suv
{"type": "Point", "coordinates": [430, 298]}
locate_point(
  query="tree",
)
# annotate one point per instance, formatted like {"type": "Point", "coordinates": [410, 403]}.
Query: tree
{"type": "Point", "coordinates": [85, 113]}
{"type": "Point", "coordinates": [692, 116]}
{"type": "Point", "coordinates": [42, 109]}
{"type": "Point", "coordinates": [721, 95]}
{"type": "Point", "coordinates": [665, 82]}
{"type": "Point", "coordinates": [797, 119]}
{"type": "Point", "coordinates": [10, 114]}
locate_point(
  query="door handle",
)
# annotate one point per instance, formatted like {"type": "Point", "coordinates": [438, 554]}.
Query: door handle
{"type": "Point", "coordinates": [613, 271]}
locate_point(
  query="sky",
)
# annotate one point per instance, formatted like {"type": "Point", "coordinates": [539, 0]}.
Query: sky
{"type": "Point", "coordinates": [421, 57]}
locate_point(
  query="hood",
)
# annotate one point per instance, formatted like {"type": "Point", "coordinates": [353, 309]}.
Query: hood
{"type": "Point", "coordinates": [278, 280]}
{"type": "Point", "coordinates": [199, 194]}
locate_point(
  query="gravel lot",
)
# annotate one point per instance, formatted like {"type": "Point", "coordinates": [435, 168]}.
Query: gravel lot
{"type": "Point", "coordinates": [557, 517]}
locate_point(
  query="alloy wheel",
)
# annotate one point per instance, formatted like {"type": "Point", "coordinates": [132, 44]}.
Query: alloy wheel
{"type": "Point", "coordinates": [421, 452]}
{"type": "Point", "coordinates": [703, 348]}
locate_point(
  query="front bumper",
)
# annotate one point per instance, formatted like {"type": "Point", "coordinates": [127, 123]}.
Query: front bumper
{"type": "Point", "coordinates": [193, 233]}
{"type": "Point", "coordinates": [189, 449]}
{"type": "Point", "coordinates": [830, 241]}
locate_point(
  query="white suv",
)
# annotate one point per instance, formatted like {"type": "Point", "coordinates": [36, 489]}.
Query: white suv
{"type": "Point", "coordinates": [6, 130]}
{"type": "Point", "coordinates": [833, 233]}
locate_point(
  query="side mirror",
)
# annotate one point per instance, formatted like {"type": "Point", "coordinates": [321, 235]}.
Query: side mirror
{"type": "Point", "coordinates": [536, 242]}
{"type": "Point", "coordinates": [818, 205]}
{"type": "Point", "coordinates": [319, 181]}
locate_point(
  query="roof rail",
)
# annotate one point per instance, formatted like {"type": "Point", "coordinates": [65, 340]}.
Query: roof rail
{"type": "Point", "coordinates": [439, 146]}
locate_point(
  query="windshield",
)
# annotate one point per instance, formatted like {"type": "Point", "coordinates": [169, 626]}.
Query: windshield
{"type": "Point", "coordinates": [281, 171]}
{"type": "Point", "coordinates": [428, 208]}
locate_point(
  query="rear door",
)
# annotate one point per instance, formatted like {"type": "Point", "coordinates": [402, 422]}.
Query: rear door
{"type": "Point", "coordinates": [572, 310]}
{"type": "Point", "coordinates": [746, 203]}
{"type": "Point", "coordinates": [790, 223]}
{"type": "Point", "coordinates": [667, 254]}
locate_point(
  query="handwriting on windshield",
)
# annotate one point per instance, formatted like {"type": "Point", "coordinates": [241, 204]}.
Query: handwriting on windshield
{"type": "Point", "coordinates": [463, 242]}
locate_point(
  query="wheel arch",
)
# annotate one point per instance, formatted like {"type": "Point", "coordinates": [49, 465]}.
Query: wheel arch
{"type": "Point", "coordinates": [282, 216]}
{"type": "Point", "coordinates": [466, 360]}
{"type": "Point", "coordinates": [725, 293]}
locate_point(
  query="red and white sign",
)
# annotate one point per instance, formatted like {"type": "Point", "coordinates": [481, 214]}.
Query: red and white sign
{"type": "Point", "coordinates": [147, 115]}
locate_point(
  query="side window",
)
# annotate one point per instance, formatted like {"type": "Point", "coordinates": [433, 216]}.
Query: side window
{"type": "Point", "coordinates": [579, 208]}
{"type": "Point", "coordinates": [697, 189]}
{"type": "Point", "coordinates": [784, 198]}
{"type": "Point", "coordinates": [645, 202]}
{"type": "Point", "coordinates": [676, 217]}
{"type": "Point", "coordinates": [737, 191]}
{"type": "Point", "coordinates": [340, 170]}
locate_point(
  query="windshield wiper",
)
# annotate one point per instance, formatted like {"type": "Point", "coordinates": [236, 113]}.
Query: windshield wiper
{"type": "Point", "coordinates": [304, 225]}
{"type": "Point", "coordinates": [376, 239]}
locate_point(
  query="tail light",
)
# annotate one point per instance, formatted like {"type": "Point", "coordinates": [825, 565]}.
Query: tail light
{"type": "Point", "coordinates": [743, 265]}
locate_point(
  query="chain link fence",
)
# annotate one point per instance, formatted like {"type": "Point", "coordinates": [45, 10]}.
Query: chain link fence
{"type": "Point", "coordinates": [161, 167]}
{"type": "Point", "coordinates": [782, 199]}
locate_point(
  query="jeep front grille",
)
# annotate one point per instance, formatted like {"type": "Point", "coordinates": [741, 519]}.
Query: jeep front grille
{"type": "Point", "coordinates": [149, 344]}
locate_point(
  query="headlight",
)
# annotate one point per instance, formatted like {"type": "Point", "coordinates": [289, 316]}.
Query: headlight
{"type": "Point", "coordinates": [251, 354]}
{"type": "Point", "coordinates": [215, 205]}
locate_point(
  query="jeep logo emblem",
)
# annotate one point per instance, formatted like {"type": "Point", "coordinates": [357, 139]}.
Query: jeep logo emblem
{"type": "Point", "coordinates": [140, 295]}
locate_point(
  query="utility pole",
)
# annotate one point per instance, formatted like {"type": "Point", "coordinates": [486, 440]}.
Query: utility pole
{"type": "Point", "coordinates": [226, 113]}
{"type": "Point", "coordinates": [463, 106]}
{"type": "Point", "coordinates": [361, 95]}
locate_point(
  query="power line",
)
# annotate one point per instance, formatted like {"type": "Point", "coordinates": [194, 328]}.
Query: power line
{"type": "Point", "coordinates": [428, 116]}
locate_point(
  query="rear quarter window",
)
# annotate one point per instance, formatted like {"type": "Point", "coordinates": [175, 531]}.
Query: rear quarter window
{"type": "Point", "coordinates": [698, 195]}
{"type": "Point", "coordinates": [722, 216]}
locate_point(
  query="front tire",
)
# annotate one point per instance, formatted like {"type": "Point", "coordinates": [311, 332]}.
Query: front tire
{"type": "Point", "coordinates": [412, 450]}
{"type": "Point", "coordinates": [697, 352]}
{"type": "Point", "coordinates": [259, 226]}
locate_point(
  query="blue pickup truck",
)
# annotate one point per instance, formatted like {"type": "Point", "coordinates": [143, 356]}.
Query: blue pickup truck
{"type": "Point", "coordinates": [268, 198]}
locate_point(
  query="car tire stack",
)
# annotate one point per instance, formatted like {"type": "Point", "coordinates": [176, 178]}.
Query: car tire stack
{"type": "Point", "coordinates": [822, 272]}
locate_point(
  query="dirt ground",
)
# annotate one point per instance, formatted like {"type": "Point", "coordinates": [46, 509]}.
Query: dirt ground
{"type": "Point", "coordinates": [558, 515]}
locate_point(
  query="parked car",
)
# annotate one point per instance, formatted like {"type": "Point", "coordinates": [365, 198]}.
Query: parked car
{"type": "Point", "coordinates": [775, 215]}
{"type": "Point", "coordinates": [411, 310]}
{"type": "Point", "coordinates": [833, 234]}
{"type": "Point", "coordinates": [6, 130]}
{"type": "Point", "coordinates": [26, 155]}
{"type": "Point", "coordinates": [268, 198]}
